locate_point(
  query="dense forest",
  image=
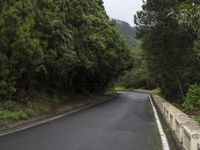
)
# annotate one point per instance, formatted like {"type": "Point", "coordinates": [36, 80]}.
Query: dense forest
{"type": "Point", "coordinates": [169, 31]}
{"type": "Point", "coordinates": [58, 45]}
{"type": "Point", "coordinates": [50, 49]}
{"type": "Point", "coordinates": [138, 75]}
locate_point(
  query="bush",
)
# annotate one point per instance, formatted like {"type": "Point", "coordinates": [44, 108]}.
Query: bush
{"type": "Point", "coordinates": [192, 100]}
{"type": "Point", "coordinates": [54, 100]}
{"type": "Point", "coordinates": [30, 112]}
{"type": "Point", "coordinates": [10, 110]}
{"type": "Point", "coordinates": [16, 115]}
{"type": "Point", "coordinates": [197, 118]}
{"type": "Point", "coordinates": [11, 106]}
{"type": "Point", "coordinates": [157, 90]}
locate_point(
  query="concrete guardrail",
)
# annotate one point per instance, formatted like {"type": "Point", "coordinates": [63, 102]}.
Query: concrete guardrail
{"type": "Point", "coordinates": [185, 128]}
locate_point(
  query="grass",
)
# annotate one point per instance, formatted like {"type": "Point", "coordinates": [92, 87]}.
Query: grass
{"type": "Point", "coordinates": [12, 115]}
{"type": "Point", "coordinates": [157, 91]}
{"type": "Point", "coordinates": [9, 110]}
{"type": "Point", "coordinates": [120, 88]}
{"type": "Point", "coordinates": [197, 118]}
{"type": "Point", "coordinates": [24, 111]}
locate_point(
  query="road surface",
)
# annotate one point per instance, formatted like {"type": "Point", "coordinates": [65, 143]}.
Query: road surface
{"type": "Point", "coordinates": [124, 123]}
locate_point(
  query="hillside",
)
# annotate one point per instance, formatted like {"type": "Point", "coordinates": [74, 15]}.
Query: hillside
{"type": "Point", "coordinates": [128, 31]}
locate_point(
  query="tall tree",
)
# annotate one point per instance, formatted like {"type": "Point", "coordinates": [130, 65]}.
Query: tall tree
{"type": "Point", "coordinates": [167, 47]}
{"type": "Point", "coordinates": [59, 45]}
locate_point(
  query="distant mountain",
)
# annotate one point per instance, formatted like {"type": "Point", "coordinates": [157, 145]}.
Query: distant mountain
{"type": "Point", "coordinates": [128, 32]}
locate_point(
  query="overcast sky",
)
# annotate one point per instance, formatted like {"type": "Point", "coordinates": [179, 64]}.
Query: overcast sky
{"type": "Point", "coordinates": [122, 9]}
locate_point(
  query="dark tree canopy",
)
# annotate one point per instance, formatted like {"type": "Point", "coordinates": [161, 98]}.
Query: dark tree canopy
{"type": "Point", "coordinates": [168, 47]}
{"type": "Point", "coordinates": [58, 45]}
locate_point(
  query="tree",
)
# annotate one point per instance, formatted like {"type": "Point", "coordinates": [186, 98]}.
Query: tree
{"type": "Point", "coordinates": [6, 83]}
{"type": "Point", "coordinates": [139, 75]}
{"type": "Point", "coordinates": [189, 14]}
{"type": "Point", "coordinates": [59, 45]}
{"type": "Point", "coordinates": [167, 47]}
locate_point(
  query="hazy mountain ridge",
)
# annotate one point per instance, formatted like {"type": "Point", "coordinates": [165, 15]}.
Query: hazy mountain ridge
{"type": "Point", "coordinates": [128, 31]}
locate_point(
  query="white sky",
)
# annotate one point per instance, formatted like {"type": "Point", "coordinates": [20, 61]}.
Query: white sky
{"type": "Point", "coordinates": [122, 9]}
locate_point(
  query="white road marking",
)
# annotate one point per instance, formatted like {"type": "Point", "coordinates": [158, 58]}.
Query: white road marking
{"type": "Point", "coordinates": [165, 143]}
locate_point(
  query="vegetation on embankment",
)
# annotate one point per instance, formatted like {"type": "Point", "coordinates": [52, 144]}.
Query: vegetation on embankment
{"type": "Point", "coordinates": [191, 104]}
{"type": "Point", "coordinates": [37, 105]}
{"type": "Point", "coordinates": [33, 104]}
{"type": "Point", "coordinates": [52, 47]}
{"type": "Point", "coordinates": [123, 88]}
{"type": "Point", "coordinates": [120, 88]}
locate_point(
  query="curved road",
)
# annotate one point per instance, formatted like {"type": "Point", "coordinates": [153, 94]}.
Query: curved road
{"type": "Point", "coordinates": [124, 123]}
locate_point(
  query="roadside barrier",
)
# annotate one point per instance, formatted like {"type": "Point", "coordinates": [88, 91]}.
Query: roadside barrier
{"type": "Point", "coordinates": [185, 128]}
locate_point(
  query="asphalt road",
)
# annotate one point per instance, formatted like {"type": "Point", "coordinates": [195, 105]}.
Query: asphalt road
{"type": "Point", "coordinates": [124, 123]}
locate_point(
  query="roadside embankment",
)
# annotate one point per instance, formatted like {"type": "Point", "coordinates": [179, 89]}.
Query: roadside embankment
{"type": "Point", "coordinates": [185, 129]}
{"type": "Point", "coordinates": [11, 126]}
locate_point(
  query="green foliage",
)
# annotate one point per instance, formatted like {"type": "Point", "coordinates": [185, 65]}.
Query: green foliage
{"type": "Point", "coordinates": [192, 100]}
{"type": "Point", "coordinates": [189, 14]}
{"type": "Point", "coordinates": [188, 17]}
{"type": "Point", "coordinates": [157, 91]}
{"type": "Point", "coordinates": [54, 100]}
{"type": "Point", "coordinates": [168, 48]}
{"type": "Point", "coordinates": [30, 112]}
{"type": "Point", "coordinates": [52, 47]}
{"type": "Point", "coordinates": [120, 88]}
{"type": "Point", "coordinates": [9, 110]}
{"type": "Point", "coordinates": [16, 115]}
{"type": "Point", "coordinates": [197, 118]}
{"type": "Point", "coordinates": [6, 85]}
{"type": "Point", "coordinates": [138, 76]}
{"type": "Point", "coordinates": [10, 106]}
{"type": "Point", "coordinates": [58, 46]}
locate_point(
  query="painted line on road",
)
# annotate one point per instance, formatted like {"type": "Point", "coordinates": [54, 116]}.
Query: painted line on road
{"type": "Point", "coordinates": [165, 143]}
{"type": "Point", "coordinates": [17, 129]}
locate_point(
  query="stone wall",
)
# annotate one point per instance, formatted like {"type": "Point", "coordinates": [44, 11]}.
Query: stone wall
{"type": "Point", "coordinates": [185, 128]}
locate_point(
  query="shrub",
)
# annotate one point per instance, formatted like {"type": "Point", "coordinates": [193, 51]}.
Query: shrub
{"type": "Point", "coordinates": [30, 112]}
{"type": "Point", "coordinates": [9, 110]}
{"type": "Point", "coordinates": [197, 118]}
{"type": "Point", "coordinates": [54, 100]}
{"type": "Point", "coordinates": [192, 100]}
{"type": "Point", "coordinates": [157, 90]}
{"type": "Point", "coordinates": [16, 115]}
{"type": "Point", "coordinates": [11, 106]}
